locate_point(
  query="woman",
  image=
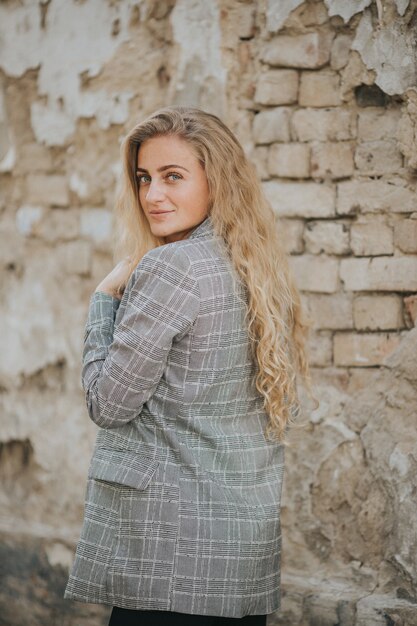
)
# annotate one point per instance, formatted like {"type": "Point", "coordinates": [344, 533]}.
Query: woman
{"type": "Point", "coordinates": [192, 345]}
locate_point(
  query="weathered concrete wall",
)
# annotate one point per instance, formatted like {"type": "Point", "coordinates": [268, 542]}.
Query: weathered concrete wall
{"type": "Point", "coordinates": [323, 96]}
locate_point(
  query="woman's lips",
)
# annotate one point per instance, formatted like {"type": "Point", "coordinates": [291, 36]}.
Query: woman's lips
{"type": "Point", "coordinates": [160, 213]}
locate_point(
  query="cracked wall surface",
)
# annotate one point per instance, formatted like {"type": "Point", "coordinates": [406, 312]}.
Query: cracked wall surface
{"type": "Point", "coordinates": [323, 97]}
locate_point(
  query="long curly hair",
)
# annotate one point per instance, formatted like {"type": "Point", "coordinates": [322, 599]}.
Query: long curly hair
{"type": "Point", "coordinates": [243, 217]}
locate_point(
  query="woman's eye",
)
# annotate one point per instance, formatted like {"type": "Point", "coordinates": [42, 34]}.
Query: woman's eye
{"type": "Point", "coordinates": [140, 178]}
{"type": "Point", "coordinates": [145, 178]}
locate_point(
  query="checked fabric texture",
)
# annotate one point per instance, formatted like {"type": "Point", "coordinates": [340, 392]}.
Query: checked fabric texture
{"type": "Point", "coordinates": [183, 493]}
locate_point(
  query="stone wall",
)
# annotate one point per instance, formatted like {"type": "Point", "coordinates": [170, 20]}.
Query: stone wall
{"type": "Point", "coordinates": [323, 96]}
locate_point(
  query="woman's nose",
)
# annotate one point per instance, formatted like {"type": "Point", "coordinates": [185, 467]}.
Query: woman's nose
{"type": "Point", "coordinates": [155, 192]}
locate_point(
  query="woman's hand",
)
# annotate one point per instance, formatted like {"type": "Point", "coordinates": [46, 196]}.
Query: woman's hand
{"type": "Point", "coordinates": [115, 282]}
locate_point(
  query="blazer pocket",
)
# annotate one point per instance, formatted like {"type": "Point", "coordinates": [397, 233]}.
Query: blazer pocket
{"type": "Point", "coordinates": [123, 467]}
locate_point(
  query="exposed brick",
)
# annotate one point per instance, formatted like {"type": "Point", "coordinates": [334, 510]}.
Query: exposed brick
{"type": "Point", "coordinates": [244, 54]}
{"type": "Point", "coordinates": [359, 378]}
{"type": "Point", "coordinates": [311, 50]}
{"type": "Point", "coordinates": [405, 235]}
{"type": "Point", "coordinates": [340, 50]}
{"type": "Point", "coordinates": [333, 312]}
{"type": "Point", "coordinates": [243, 128]}
{"type": "Point", "coordinates": [329, 237]}
{"type": "Point", "coordinates": [76, 257]}
{"type": "Point", "coordinates": [378, 157]}
{"type": "Point", "coordinates": [291, 231]}
{"type": "Point", "coordinates": [313, 14]}
{"type": "Point", "coordinates": [319, 348]}
{"type": "Point", "coordinates": [277, 87]}
{"type": "Point", "coordinates": [333, 377]}
{"type": "Point", "coordinates": [289, 160]}
{"type": "Point", "coordinates": [319, 89]}
{"type": "Point", "coordinates": [79, 186]}
{"type": "Point", "coordinates": [259, 158]}
{"type": "Point", "coordinates": [245, 21]}
{"type": "Point", "coordinates": [96, 224]}
{"type": "Point", "coordinates": [12, 244]}
{"type": "Point", "coordinates": [47, 190]}
{"type": "Point", "coordinates": [364, 350]}
{"type": "Point", "coordinates": [332, 159]}
{"type": "Point", "coordinates": [101, 265]}
{"type": "Point", "coordinates": [376, 123]}
{"type": "Point", "coordinates": [380, 274]}
{"type": "Point", "coordinates": [410, 304]}
{"type": "Point", "coordinates": [59, 224]}
{"type": "Point", "coordinates": [315, 273]}
{"type": "Point", "coordinates": [377, 312]}
{"type": "Point", "coordinates": [273, 125]}
{"type": "Point", "coordinates": [300, 199]}
{"type": "Point", "coordinates": [323, 124]}
{"type": "Point", "coordinates": [33, 157]}
{"type": "Point", "coordinates": [374, 196]}
{"type": "Point", "coordinates": [27, 218]}
{"type": "Point", "coordinates": [371, 239]}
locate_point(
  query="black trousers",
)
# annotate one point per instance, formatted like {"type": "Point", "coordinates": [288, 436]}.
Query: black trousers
{"type": "Point", "coordinates": [128, 617]}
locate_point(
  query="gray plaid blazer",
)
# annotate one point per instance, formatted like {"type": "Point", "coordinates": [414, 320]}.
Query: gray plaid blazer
{"type": "Point", "coordinates": [182, 503]}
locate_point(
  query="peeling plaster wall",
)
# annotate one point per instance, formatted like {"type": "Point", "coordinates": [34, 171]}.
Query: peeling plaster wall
{"type": "Point", "coordinates": [346, 9]}
{"type": "Point", "coordinates": [200, 75]}
{"type": "Point", "coordinates": [391, 52]}
{"type": "Point", "coordinates": [67, 41]}
{"type": "Point", "coordinates": [323, 96]}
{"type": "Point", "coordinates": [277, 13]}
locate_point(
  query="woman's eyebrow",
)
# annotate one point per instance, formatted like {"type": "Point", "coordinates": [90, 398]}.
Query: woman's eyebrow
{"type": "Point", "coordinates": [163, 168]}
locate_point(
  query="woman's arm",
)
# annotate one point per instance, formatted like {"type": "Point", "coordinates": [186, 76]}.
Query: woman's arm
{"type": "Point", "coordinates": [122, 367]}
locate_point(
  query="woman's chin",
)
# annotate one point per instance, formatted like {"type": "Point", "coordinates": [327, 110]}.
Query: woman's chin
{"type": "Point", "coordinates": [165, 233]}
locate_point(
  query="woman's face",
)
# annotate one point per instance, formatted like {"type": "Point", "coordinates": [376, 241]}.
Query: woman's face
{"type": "Point", "coordinates": [173, 189]}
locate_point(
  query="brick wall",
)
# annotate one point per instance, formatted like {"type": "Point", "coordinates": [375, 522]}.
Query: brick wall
{"type": "Point", "coordinates": [322, 95]}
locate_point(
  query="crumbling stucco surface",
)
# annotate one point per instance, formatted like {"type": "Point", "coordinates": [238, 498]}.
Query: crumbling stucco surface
{"type": "Point", "coordinates": [277, 13]}
{"type": "Point", "coordinates": [323, 96]}
{"type": "Point", "coordinates": [346, 9]}
{"type": "Point", "coordinates": [391, 51]}
{"type": "Point", "coordinates": [200, 74]}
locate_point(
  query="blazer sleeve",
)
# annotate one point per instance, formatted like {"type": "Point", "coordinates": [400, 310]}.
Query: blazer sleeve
{"type": "Point", "coordinates": [122, 366]}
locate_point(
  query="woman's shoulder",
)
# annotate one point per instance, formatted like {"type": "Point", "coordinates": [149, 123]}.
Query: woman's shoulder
{"type": "Point", "coordinates": [170, 255]}
{"type": "Point", "coordinates": [169, 263]}
{"type": "Point", "coordinates": [184, 253]}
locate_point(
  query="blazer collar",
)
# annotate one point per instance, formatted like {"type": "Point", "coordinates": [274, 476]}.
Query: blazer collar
{"type": "Point", "coordinates": [204, 229]}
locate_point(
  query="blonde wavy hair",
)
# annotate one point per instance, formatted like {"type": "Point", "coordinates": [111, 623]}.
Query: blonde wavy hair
{"type": "Point", "coordinates": [242, 216]}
